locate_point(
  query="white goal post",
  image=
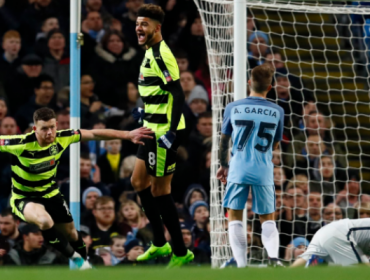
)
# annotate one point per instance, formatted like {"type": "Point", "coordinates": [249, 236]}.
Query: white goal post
{"type": "Point", "coordinates": [323, 47]}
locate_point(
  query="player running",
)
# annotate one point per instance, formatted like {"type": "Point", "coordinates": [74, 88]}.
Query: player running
{"type": "Point", "coordinates": [256, 127]}
{"type": "Point", "coordinates": [344, 242]}
{"type": "Point", "coordinates": [35, 195]}
{"type": "Point", "coordinates": [160, 89]}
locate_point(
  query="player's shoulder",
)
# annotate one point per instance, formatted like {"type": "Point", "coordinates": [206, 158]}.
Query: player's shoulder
{"type": "Point", "coordinates": [163, 50]}
{"type": "Point", "coordinates": [276, 106]}
{"type": "Point", "coordinates": [19, 139]}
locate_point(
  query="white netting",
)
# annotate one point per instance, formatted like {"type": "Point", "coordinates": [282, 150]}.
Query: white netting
{"type": "Point", "coordinates": [323, 45]}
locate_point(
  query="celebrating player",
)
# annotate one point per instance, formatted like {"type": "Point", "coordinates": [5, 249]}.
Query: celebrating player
{"type": "Point", "coordinates": [160, 89]}
{"type": "Point", "coordinates": [344, 242]}
{"type": "Point", "coordinates": [35, 195]}
{"type": "Point", "coordinates": [256, 127]}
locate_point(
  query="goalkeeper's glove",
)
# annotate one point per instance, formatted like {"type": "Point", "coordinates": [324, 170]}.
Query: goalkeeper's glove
{"type": "Point", "coordinates": [166, 141]}
{"type": "Point", "coordinates": [138, 114]}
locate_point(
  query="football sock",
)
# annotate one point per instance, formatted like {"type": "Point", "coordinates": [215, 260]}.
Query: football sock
{"type": "Point", "coordinates": [238, 242]}
{"type": "Point", "coordinates": [270, 239]}
{"type": "Point", "coordinates": [58, 241]}
{"type": "Point", "coordinates": [170, 218]}
{"type": "Point", "coordinates": [79, 246]}
{"type": "Point", "coordinates": [153, 215]}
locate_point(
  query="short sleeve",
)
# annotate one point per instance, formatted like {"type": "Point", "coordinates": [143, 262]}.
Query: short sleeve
{"type": "Point", "coordinates": [68, 136]}
{"type": "Point", "coordinates": [280, 128]}
{"type": "Point", "coordinates": [167, 69]}
{"type": "Point", "coordinates": [227, 127]}
{"type": "Point", "coordinates": [12, 144]}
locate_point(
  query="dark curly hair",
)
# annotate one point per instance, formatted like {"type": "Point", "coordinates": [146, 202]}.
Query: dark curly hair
{"type": "Point", "coordinates": [151, 11]}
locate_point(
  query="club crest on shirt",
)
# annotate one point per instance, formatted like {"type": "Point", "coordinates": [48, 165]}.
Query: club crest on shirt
{"type": "Point", "coordinates": [53, 150]}
{"type": "Point", "coordinates": [167, 75]}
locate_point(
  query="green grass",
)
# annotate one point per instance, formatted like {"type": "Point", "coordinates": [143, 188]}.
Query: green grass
{"type": "Point", "coordinates": [186, 273]}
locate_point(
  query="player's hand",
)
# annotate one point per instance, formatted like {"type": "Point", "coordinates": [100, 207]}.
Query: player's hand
{"type": "Point", "coordinates": [341, 196]}
{"type": "Point", "coordinates": [141, 133]}
{"type": "Point", "coordinates": [222, 174]}
{"type": "Point", "coordinates": [166, 141]}
{"type": "Point", "coordinates": [2, 252]}
{"type": "Point", "coordinates": [138, 114]}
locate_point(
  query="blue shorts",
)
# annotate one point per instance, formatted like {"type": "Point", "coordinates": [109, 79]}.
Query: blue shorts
{"type": "Point", "coordinates": [263, 197]}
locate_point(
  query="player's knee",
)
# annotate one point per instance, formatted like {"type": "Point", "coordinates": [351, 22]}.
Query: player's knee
{"type": "Point", "coordinates": [44, 222]}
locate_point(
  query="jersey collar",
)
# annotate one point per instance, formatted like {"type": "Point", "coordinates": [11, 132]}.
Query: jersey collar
{"type": "Point", "coordinates": [255, 97]}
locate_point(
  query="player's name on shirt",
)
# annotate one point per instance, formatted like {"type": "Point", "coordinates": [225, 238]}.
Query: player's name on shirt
{"type": "Point", "coordinates": [258, 111]}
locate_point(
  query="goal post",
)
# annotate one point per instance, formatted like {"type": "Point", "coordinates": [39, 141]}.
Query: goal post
{"type": "Point", "coordinates": [324, 49]}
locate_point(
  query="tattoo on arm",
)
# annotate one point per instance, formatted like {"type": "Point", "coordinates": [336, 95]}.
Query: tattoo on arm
{"type": "Point", "coordinates": [224, 150]}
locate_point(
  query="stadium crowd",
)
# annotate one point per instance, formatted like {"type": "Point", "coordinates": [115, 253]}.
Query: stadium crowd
{"type": "Point", "coordinates": [312, 181]}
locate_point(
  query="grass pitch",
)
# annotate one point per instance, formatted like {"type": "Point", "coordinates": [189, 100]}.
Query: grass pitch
{"type": "Point", "coordinates": [185, 273]}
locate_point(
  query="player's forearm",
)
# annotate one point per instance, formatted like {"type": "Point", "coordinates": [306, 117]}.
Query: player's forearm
{"type": "Point", "coordinates": [109, 134]}
{"type": "Point", "coordinates": [178, 102]}
{"type": "Point", "coordinates": [224, 150]}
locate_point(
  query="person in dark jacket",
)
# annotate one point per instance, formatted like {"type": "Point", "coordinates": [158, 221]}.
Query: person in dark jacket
{"type": "Point", "coordinates": [200, 256]}
{"type": "Point", "coordinates": [115, 64]}
{"type": "Point", "coordinates": [110, 162]}
{"type": "Point", "coordinates": [20, 87]}
{"type": "Point", "coordinates": [133, 248]}
{"type": "Point", "coordinates": [31, 250]}
{"type": "Point", "coordinates": [195, 192]}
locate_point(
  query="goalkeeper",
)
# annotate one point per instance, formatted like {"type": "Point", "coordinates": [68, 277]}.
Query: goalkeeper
{"type": "Point", "coordinates": [35, 195]}
{"type": "Point", "coordinates": [160, 89]}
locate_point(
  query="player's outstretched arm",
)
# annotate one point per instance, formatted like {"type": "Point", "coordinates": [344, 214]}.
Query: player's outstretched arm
{"type": "Point", "coordinates": [134, 136]}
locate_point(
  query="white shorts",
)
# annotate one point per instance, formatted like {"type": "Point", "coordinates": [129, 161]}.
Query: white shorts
{"type": "Point", "coordinates": [335, 247]}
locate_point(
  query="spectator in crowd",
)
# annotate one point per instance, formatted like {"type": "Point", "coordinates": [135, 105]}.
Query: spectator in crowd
{"type": "Point", "coordinates": [279, 177]}
{"type": "Point", "coordinates": [198, 100]}
{"type": "Point", "coordinates": [308, 107]}
{"type": "Point", "coordinates": [325, 178]}
{"type": "Point", "coordinates": [110, 162]}
{"type": "Point", "coordinates": [97, 6]}
{"type": "Point", "coordinates": [104, 227]}
{"type": "Point", "coordinates": [9, 232]}
{"type": "Point", "coordinates": [276, 157]}
{"type": "Point", "coordinates": [182, 60]}
{"type": "Point", "coordinates": [20, 87]}
{"type": "Point", "coordinates": [93, 258]}
{"type": "Point", "coordinates": [258, 44]}
{"type": "Point", "coordinates": [197, 138]}
{"type": "Point", "coordinates": [41, 46]}
{"type": "Point", "coordinates": [10, 59]}
{"type": "Point", "coordinates": [44, 92]}
{"type": "Point", "coordinates": [299, 181]}
{"type": "Point", "coordinates": [56, 60]}
{"type": "Point", "coordinates": [115, 65]}
{"type": "Point", "coordinates": [350, 195]}
{"type": "Point", "coordinates": [117, 249]}
{"type": "Point", "coordinates": [91, 107]}
{"type": "Point", "coordinates": [314, 214]}
{"type": "Point", "coordinates": [194, 193]}
{"type": "Point", "coordinates": [133, 248]}
{"type": "Point", "coordinates": [93, 26]}
{"type": "Point", "coordinates": [188, 83]}
{"type": "Point", "coordinates": [251, 24]}
{"type": "Point", "coordinates": [363, 210]}
{"type": "Point", "coordinates": [200, 256]}
{"type": "Point", "coordinates": [33, 18]}
{"type": "Point", "coordinates": [97, 148]}
{"type": "Point", "coordinates": [31, 250]}
{"type": "Point", "coordinates": [8, 126]}
{"type": "Point", "coordinates": [129, 21]}
{"type": "Point", "coordinates": [192, 40]}
{"type": "Point", "coordinates": [331, 212]}
{"type": "Point", "coordinates": [87, 178]}
{"type": "Point", "coordinates": [130, 218]}
{"type": "Point", "coordinates": [199, 211]}
{"type": "Point", "coordinates": [203, 75]}
{"type": "Point", "coordinates": [275, 59]}
{"type": "Point", "coordinates": [63, 120]}
{"type": "Point", "coordinates": [89, 196]}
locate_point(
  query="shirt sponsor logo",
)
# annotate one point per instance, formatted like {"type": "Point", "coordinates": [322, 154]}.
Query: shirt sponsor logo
{"type": "Point", "coordinates": [171, 167]}
{"type": "Point", "coordinates": [53, 150]}
{"type": "Point", "coordinates": [167, 76]}
{"type": "Point", "coordinates": [42, 166]}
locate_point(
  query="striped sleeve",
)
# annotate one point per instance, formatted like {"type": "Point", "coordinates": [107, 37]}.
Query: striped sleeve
{"type": "Point", "coordinates": [12, 144]}
{"type": "Point", "coordinates": [68, 136]}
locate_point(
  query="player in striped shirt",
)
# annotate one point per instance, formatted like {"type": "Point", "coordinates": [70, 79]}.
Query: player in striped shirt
{"type": "Point", "coordinates": [35, 196]}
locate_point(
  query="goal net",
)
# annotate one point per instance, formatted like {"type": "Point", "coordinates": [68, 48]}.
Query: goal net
{"type": "Point", "coordinates": [320, 50]}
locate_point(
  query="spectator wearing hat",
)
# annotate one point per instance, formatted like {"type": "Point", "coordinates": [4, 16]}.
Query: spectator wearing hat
{"type": "Point", "coordinates": [195, 192]}
{"type": "Point", "coordinates": [297, 247]}
{"type": "Point", "coordinates": [133, 248]}
{"type": "Point", "coordinates": [199, 211]}
{"type": "Point", "coordinates": [198, 100]}
{"type": "Point", "coordinates": [200, 256]}
{"type": "Point", "coordinates": [44, 92]}
{"type": "Point", "coordinates": [20, 87]}
{"type": "Point", "coordinates": [93, 258]}
{"type": "Point", "coordinates": [116, 64]}
{"type": "Point", "coordinates": [31, 250]}
{"type": "Point", "coordinates": [258, 45]}
{"type": "Point", "coordinates": [56, 60]}
{"type": "Point", "coordinates": [89, 196]}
